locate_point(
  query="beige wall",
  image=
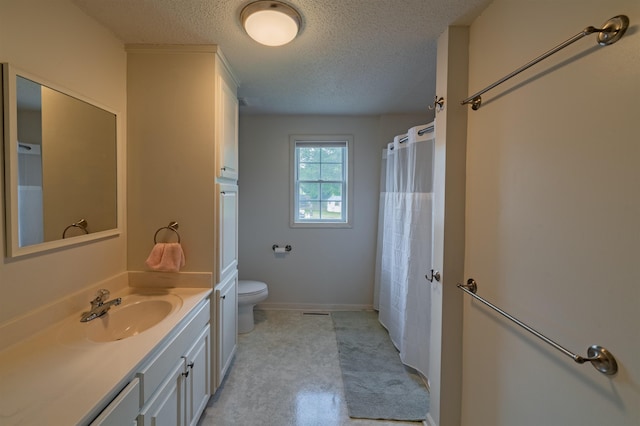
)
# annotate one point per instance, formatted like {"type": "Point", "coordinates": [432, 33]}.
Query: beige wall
{"type": "Point", "coordinates": [171, 153]}
{"type": "Point", "coordinates": [552, 208]}
{"type": "Point", "coordinates": [65, 47]}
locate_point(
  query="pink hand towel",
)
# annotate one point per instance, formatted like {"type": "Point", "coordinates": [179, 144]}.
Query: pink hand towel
{"type": "Point", "coordinates": [166, 257]}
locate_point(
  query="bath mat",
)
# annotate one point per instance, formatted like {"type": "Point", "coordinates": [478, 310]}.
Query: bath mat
{"type": "Point", "coordinates": [376, 383]}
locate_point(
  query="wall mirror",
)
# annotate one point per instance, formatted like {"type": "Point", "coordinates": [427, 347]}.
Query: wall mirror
{"type": "Point", "coordinates": [60, 164]}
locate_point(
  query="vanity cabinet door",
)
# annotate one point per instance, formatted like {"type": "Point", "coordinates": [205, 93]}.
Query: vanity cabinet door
{"type": "Point", "coordinates": [227, 128]}
{"type": "Point", "coordinates": [153, 373]}
{"type": "Point", "coordinates": [123, 410]}
{"type": "Point", "coordinates": [167, 407]}
{"type": "Point", "coordinates": [198, 383]}
{"type": "Point", "coordinates": [176, 382]}
{"type": "Point", "coordinates": [227, 327]}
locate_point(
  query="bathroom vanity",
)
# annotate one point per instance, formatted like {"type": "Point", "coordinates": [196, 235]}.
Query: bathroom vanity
{"type": "Point", "coordinates": [78, 373]}
{"type": "Point", "coordinates": [173, 385]}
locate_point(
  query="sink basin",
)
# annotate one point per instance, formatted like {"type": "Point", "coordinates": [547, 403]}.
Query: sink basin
{"type": "Point", "coordinates": [135, 315]}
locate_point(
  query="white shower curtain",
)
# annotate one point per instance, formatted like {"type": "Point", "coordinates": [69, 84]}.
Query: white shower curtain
{"type": "Point", "coordinates": [30, 223]}
{"type": "Point", "coordinates": [405, 245]}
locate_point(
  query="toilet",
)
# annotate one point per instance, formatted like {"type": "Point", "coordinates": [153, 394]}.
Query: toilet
{"type": "Point", "coordinates": [249, 294]}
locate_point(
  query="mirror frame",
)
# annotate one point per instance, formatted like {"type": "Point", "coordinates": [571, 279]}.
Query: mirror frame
{"type": "Point", "coordinates": [9, 114]}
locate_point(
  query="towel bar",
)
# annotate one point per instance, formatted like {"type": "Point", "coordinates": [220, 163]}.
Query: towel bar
{"type": "Point", "coordinates": [611, 31]}
{"type": "Point", "coordinates": [601, 359]}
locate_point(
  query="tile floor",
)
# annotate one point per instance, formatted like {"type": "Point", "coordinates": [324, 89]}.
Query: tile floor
{"type": "Point", "coordinates": [285, 373]}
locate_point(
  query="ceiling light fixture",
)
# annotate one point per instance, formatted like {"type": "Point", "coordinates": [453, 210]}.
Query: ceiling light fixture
{"type": "Point", "coordinates": [271, 23]}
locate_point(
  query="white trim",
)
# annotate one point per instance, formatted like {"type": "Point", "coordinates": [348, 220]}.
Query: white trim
{"type": "Point", "coordinates": [10, 116]}
{"type": "Point", "coordinates": [429, 421]}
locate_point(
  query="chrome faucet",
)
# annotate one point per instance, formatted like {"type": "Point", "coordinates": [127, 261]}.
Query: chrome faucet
{"type": "Point", "coordinates": [99, 305]}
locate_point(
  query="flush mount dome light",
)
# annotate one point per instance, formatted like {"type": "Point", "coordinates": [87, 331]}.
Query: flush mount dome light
{"type": "Point", "coordinates": [271, 23]}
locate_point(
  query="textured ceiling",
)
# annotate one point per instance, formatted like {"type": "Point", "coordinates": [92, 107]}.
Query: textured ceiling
{"type": "Point", "coordinates": [351, 57]}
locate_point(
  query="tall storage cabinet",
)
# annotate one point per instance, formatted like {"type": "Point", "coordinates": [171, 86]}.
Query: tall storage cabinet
{"type": "Point", "coordinates": [182, 165]}
{"type": "Point", "coordinates": [226, 290]}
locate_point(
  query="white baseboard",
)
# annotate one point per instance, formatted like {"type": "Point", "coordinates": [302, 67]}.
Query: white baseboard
{"type": "Point", "coordinates": [313, 307]}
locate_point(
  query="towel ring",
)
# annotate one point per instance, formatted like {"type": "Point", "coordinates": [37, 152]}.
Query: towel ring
{"type": "Point", "coordinates": [173, 226]}
{"type": "Point", "coordinates": [82, 224]}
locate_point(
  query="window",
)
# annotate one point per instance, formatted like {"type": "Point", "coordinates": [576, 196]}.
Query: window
{"type": "Point", "coordinates": [321, 181]}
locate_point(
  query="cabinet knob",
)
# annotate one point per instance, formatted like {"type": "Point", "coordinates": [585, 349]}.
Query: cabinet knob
{"type": "Point", "coordinates": [223, 297]}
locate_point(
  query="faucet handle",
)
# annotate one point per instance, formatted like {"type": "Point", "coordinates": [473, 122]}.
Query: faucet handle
{"type": "Point", "coordinates": [102, 295]}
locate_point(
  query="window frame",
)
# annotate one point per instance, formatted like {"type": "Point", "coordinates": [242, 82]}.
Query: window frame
{"type": "Point", "coordinates": [294, 141]}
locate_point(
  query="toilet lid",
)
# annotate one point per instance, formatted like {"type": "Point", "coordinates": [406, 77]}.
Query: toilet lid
{"type": "Point", "coordinates": [251, 287]}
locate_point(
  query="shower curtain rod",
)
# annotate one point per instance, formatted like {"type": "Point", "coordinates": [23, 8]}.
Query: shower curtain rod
{"type": "Point", "coordinates": [611, 31]}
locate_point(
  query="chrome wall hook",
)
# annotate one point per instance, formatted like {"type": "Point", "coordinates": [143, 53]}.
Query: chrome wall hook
{"type": "Point", "coordinates": [435, 275]}
{"type": "Point", "coordinates": [438, 104]}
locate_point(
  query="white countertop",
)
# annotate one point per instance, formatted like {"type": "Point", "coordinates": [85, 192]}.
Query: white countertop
{"type": "Point", "coordinates": [57, 377]}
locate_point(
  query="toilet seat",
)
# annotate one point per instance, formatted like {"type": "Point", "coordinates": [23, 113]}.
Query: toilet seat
{"type": "Point", "coordinates": [250, 288]}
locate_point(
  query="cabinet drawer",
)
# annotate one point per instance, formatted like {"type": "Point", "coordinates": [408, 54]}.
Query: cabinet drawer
{"type": "Point", "coordinates": [123, 410]}
{"type": "Point", "coordinates": [156, 370]}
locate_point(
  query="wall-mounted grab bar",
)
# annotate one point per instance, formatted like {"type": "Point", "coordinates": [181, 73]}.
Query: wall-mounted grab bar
{"type": "Point", "coordinates": [601, 359]}
{"type": "Point", "coordinates": [611, 31]}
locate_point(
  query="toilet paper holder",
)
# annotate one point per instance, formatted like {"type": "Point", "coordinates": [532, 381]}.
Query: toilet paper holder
{"type": "Point", "coordinates": [276, 248]}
